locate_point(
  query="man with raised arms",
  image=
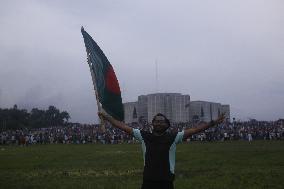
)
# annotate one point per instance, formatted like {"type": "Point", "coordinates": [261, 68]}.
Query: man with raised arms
{"type": "Point", "coordinates": [159, 148]}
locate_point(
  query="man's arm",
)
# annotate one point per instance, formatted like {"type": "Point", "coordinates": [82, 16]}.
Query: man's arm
{"type": "Point", "coordinates": [203, 126]}
{"type": "Point", "coordinates": [116, 123]}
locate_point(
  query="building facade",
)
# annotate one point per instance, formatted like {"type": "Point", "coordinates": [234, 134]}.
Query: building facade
{"type": "Point", "coordinates": [207, 111]}
{"type": "Point", "coordinates": [142, 108]}
{"type": "Point", "coordinates": [175, 106]}
{"type": "Point", "coordinates": [130, 112]}
{"type": "Point", "coordinates": [226, 111]}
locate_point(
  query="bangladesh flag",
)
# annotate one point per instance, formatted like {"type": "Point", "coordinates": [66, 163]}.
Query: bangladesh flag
{"type": "Point", "coordinates": [106, 83]}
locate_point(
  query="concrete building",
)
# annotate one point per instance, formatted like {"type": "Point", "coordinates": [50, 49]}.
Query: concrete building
{"type": "Point", "coordinates": [207, 111]}
{"type": "Point", "coordinates": [172, 105]}
{"type": "Point", "coordinates": [180, 108]}
{"type": "Point", "coordinates": [130, 112]}
{"type": "Point", "coordinates": [215, 110]}
{"type": "Point", "coordinates": [199, 111]}
{"type": "Point", "coordinates": [156, 104]}
{"type": "Point", "coordinates": [175, 106]}
{"type": "Point", "coordinates": [226, 109]}
{"type": "Point", "coordinates": [142, 108]}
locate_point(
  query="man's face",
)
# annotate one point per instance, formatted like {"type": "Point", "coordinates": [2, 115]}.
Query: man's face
{"type": "Point", "coordinates": [159, 124]}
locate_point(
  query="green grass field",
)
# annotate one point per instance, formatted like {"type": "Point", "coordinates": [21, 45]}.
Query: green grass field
{"type": "Point", "coordinates": [259, 164]}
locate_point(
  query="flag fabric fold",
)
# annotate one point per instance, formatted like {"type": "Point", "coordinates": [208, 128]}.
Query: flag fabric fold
{"type": "Point", "coordinates": [106, 83]}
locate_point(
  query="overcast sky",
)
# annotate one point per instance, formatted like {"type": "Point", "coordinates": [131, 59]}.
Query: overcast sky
{"type": "Point", "coordinates": [230, 52]}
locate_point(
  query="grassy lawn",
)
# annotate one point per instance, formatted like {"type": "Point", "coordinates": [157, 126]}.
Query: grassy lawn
{"type": "Point", "coordinates": [237, 164]}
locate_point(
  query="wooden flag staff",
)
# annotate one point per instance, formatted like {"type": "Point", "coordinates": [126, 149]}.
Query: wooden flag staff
{"type": "Point", "coordinates": [100, 109]}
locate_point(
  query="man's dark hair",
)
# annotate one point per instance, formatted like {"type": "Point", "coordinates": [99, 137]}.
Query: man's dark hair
{"type": "Point", "coordinates": [166, 119]}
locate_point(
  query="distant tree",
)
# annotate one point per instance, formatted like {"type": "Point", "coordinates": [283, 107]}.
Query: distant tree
{"type": "Point", "coordinates": [15, 107]}
{"type": "Point", "coordinates": [37, 118]}
{"type": "Point", "coordinates": [3, 118]}
{"type": "Point", "coordinates": [52, 116]}
{"type": "Point", "coordinates": [15, 118]}
{"type": "Point", "coordinates": [64, 117]}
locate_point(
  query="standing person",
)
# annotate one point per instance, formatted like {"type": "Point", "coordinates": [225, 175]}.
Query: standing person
{"type": "Point", "coordinates": [159, 147]}
{"type": "Point", "coordinates": [249, 137]}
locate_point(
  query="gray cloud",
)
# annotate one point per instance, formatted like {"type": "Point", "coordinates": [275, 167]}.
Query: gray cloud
{"type": "Point", "coordinates": [225, 51]}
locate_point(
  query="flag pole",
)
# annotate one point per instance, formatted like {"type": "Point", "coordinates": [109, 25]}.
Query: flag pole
{"type": "Point", "coordinates": [100, 109]}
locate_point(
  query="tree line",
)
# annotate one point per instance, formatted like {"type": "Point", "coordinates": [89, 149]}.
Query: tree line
{"type": "Point", "coordinates": [14, 118]}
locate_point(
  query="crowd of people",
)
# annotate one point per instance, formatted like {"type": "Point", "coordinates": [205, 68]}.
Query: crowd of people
{"type": "Point", "coordinates": [82, 133]}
